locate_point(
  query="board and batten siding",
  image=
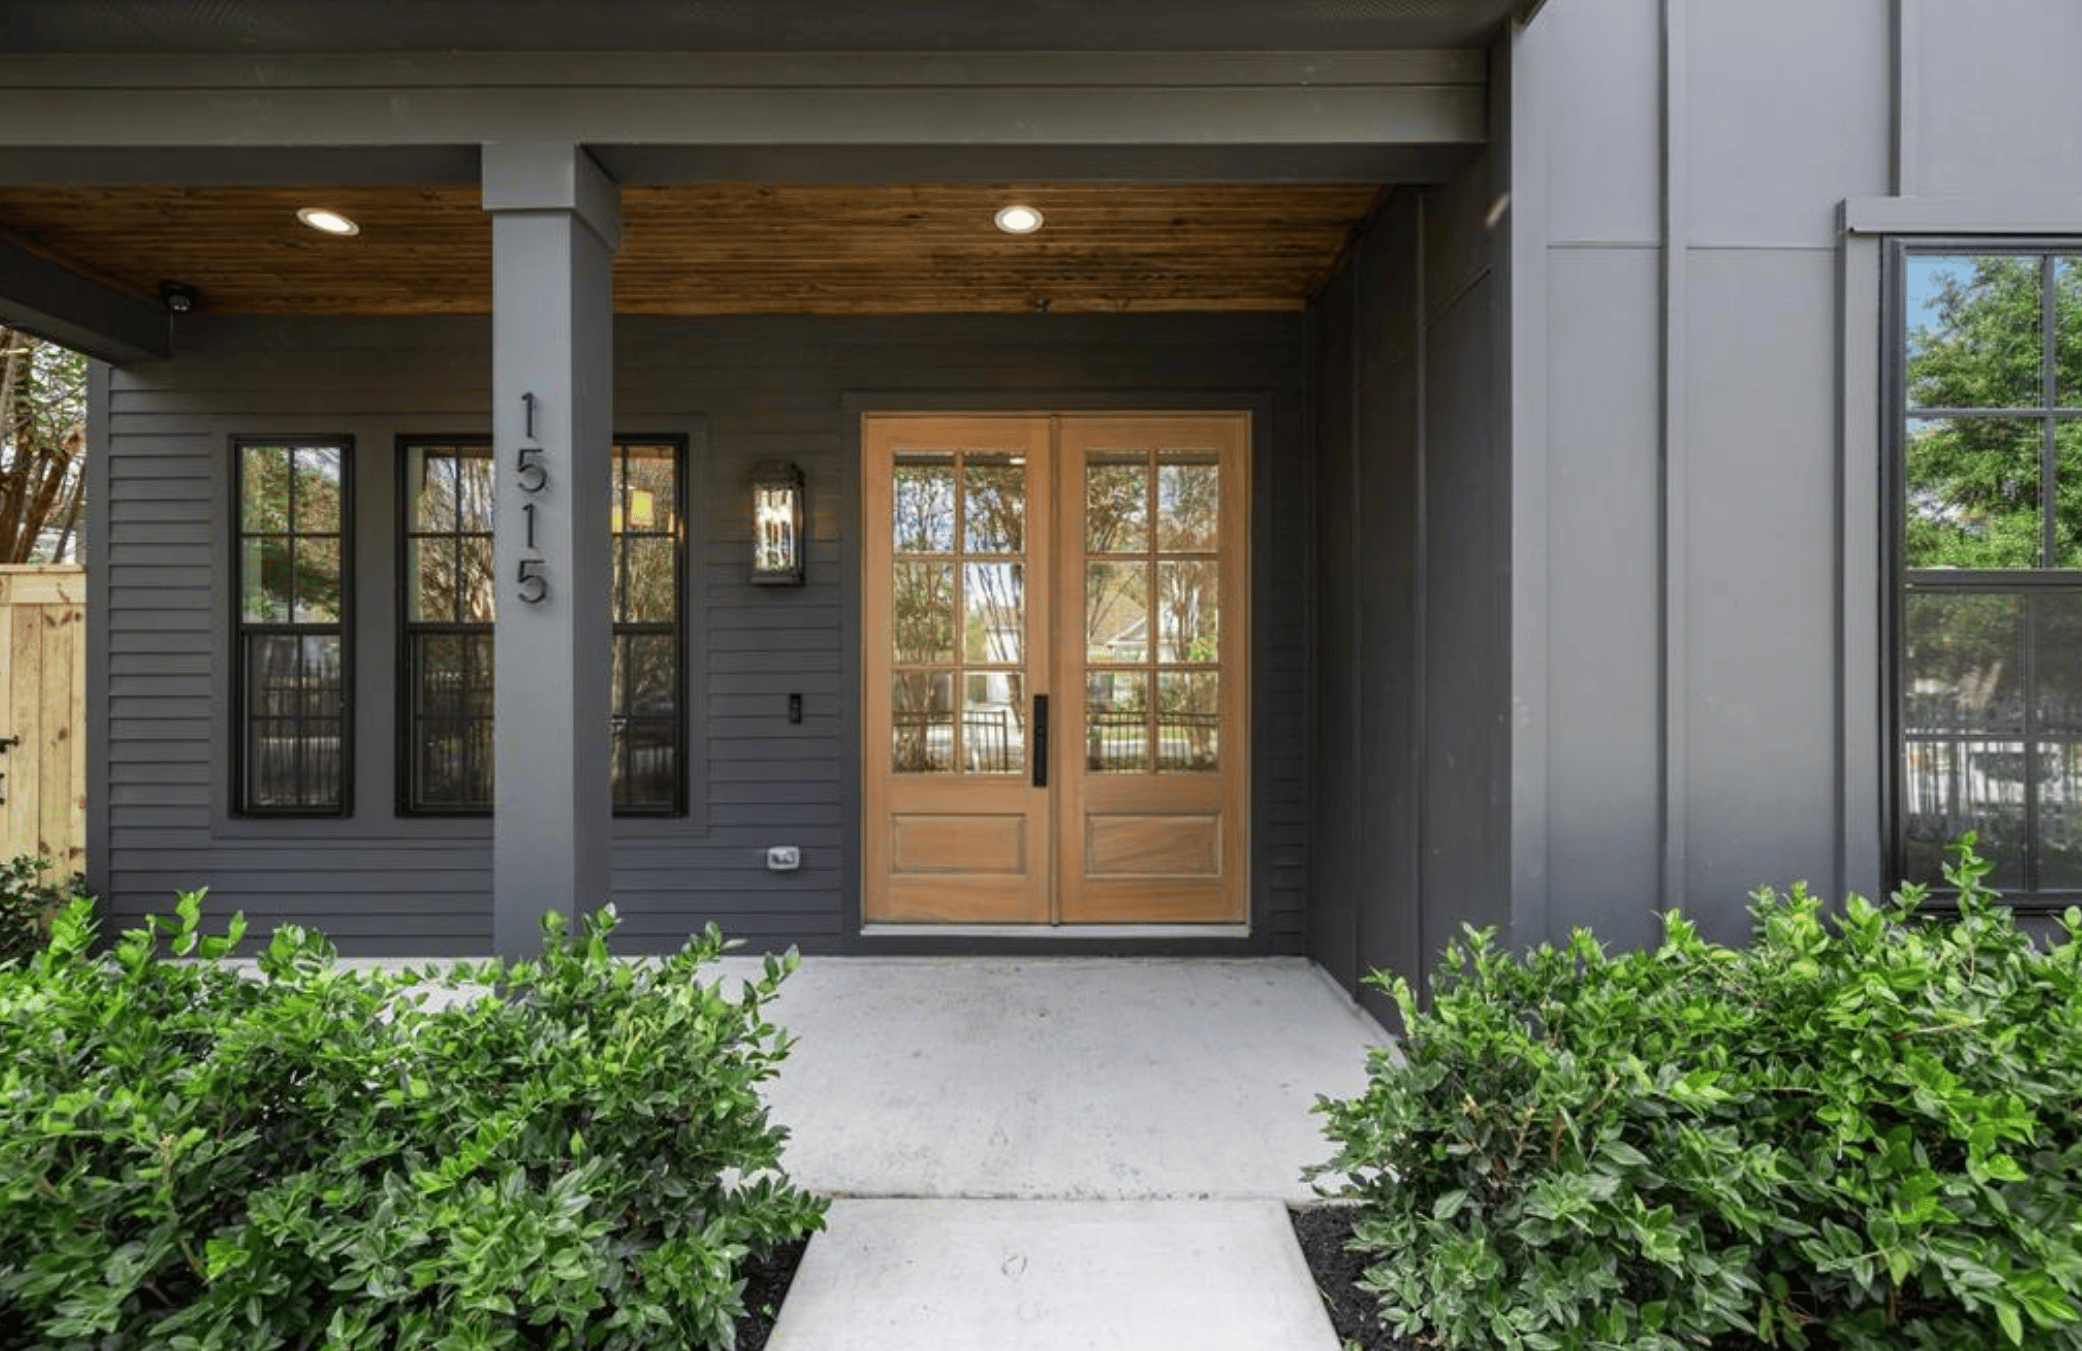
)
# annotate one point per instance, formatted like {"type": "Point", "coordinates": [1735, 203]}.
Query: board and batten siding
{"type": "Point", "coordinates": [740, 390]}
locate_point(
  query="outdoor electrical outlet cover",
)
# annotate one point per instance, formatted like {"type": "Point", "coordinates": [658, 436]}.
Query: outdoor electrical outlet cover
{"type": "Point", "coordinates": [783, 858]}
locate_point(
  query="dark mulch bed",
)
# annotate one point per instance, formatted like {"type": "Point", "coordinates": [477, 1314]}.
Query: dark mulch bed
{"type": "Point", "coordinates": [1323, 1232]}
{"type": "Point", "coordinates": [766, 1285]}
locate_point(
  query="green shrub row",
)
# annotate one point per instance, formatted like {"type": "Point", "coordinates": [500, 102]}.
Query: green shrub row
{"type": "Point", "coordinates": [194, 1157]}
{"type": "Point", "coordinates": [28, 904]}
{"type": "Point", "coordinates": [1862, 1132]}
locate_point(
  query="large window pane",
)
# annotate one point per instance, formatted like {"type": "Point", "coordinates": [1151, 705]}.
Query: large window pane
{"type": "Point", "coordinates": [2067, 340]}
{"type": "Point", "coordinates": [1973, 493]}
{"type": "Point", "coordinates": [1974, 331]}
{"type": "Point", "coordinates": [295, 699]}
{"type": "Point", "coordinates": [1963, 667]}
{"type": "Point", "coordinates": [318, 470]}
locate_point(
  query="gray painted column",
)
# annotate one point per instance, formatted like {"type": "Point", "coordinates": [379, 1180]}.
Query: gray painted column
{"type": "Point", "coordinates": [556, 223]}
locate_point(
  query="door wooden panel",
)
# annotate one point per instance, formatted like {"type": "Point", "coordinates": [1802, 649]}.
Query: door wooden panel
{"type": "Point", "coordinates": [1153, 825]}
{"type": "Point", "coordinates": [955, 643]}
{"type": "Point", "coordinates": [1100, 562]}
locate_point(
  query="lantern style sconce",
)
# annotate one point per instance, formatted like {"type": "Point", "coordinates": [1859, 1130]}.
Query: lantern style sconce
{"type": "Point", "coordinates": [778, 546]}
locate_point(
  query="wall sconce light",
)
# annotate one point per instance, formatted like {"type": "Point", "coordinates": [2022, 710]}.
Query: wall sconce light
{"type": "Point", "coordinates": [777, 539]}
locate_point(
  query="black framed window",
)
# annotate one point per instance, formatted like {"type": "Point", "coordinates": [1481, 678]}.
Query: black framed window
{"type": "Point", "coordinates": [446, 758]}
{"type": "Point", "coordinates": [292, 576]}
{"type": "Point", "coordinates": [650, 740]}
{"type": "Point", "coordinates": [1987, 387]}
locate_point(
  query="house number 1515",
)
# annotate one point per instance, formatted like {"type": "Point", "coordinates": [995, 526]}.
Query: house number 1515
{"type": "Point", "coordinates": [531, 476]}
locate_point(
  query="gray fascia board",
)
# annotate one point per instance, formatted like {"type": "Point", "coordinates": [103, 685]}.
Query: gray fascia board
{"type": "Point", "coordinates": [266, 167]}
{"type": "Point", "coordinates": [1105, 108]}
{"type": "Point", "coordinates": [54, 302]}
{"type": "Point", "coordinates": [690, 70]}
{"type": "Point", "coordinates": [2051, 215]}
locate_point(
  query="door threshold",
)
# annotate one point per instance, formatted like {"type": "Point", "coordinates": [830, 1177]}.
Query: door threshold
{"type": "Point", "coordinates": [1056, 931]}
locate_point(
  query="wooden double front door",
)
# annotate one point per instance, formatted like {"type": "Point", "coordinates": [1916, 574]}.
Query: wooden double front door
{"type": "Point", "coordinates": [1055, 650]}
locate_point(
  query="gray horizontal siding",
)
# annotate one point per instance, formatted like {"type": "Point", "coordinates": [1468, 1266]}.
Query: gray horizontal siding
{"type": "Point", "coordinates": [745, 390]}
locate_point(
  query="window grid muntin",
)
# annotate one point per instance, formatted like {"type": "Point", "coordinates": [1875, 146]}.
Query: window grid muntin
{"type": "Point", "coordinates": [251, 634]}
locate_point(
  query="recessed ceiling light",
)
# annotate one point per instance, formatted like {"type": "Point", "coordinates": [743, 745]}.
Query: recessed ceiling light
{"type": "Point", "coordinates": [330, 222]}
{"type": "Point", "coordinates": [1018, 219]}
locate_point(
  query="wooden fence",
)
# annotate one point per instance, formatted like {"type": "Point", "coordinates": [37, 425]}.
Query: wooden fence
{"type": "Point", "coordinates": [43, 682]}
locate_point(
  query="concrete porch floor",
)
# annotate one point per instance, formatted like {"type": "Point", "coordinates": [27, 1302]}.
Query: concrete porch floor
{"type": "Point", "coordinates": [1046, 1154]}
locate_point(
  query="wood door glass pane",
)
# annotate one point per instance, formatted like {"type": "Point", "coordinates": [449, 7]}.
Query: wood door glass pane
{"type": "Point", "coordinates": [1116, 612]}
{"type": "Point", "coordinates": [1116, 722]}
{"type": "Point", "coordinates": [923, 612]}
{"type": "Point", "coordinates": [924, 513]}
{"type": "Point", "coordinates": [1188, 612]}
{"type": "Point", "coordinates": [1189, 722]}
{"type": "Point", "coordinates": [994, 620]}
{"type": "Point", "coordinates": [922, 716]}
{"type": "Point", "coordinates": [994, 728]}
{"type": "Point", "coordinates": [1156, 610]}
{"type": "Point", "coordinates": [994, 503]}
{"type": "Point", "coordinates": [1116, 502]}
{"type": "Point", "coordinates": [1189, 501]}
{"type": "Point", "coordinates": [958, 613]}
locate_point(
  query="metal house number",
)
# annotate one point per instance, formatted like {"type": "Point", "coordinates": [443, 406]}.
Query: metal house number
{"type": "Point", "coordinates": [531, 476]}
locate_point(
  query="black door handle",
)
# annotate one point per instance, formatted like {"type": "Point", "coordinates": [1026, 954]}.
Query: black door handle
{"type": "Point", "coordinates": [1040, 741]}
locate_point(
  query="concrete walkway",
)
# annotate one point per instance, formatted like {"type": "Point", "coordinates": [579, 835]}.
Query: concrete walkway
{"type": "Point", "coordinates": [1055, 1155]}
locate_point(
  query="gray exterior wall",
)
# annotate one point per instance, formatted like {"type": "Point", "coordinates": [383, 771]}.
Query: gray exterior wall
{"type": "Point", "coordinates": [741, 390]}
{"type": "Point", "coordinates": [1698, 672]}
{"type": "Point", "coordinates": [1412, 808]}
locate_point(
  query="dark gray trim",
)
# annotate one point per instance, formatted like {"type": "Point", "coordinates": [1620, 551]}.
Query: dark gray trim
{"type": "Point", "coordinates": [52, 301]}
{"type": "Point", "coordinates": [95, 551]}
{"type": "Point", "coordinates": [1675, 687]}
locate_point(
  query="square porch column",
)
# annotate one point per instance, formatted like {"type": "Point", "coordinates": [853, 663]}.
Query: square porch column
{"type": "Point", "coordinates": [556, 223]}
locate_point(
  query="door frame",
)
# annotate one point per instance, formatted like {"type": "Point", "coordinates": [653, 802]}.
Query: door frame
{"type": "Point", "coordinates": [1274, 422]}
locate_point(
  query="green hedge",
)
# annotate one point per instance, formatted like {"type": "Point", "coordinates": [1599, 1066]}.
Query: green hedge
{"type": "Point", "coordinates": [28, 904]}
{"type": "Point", "coordinates": [196, 1157]}
{"type": "Point", "coordinates": [1862, 1132]}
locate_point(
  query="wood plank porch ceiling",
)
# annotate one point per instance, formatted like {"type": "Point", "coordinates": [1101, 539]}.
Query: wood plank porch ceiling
{"type": "Point", "coordinates": [694, 249]}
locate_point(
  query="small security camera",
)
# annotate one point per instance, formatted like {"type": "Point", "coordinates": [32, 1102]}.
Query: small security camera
{"type": "Point", "coordinates": [178, 296]}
